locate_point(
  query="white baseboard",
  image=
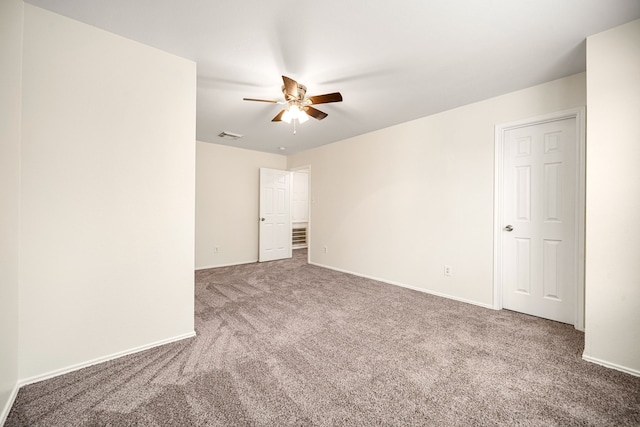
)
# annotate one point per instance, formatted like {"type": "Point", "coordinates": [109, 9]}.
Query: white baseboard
{"type": "Point", "coordinates": [403, 285]}
{"type": "Point", "coordinates": [66, 370]}
{"type": "Point", "coordinates": [227, 265]}
{"type": "Point", "coordinates": [7, 407]}
{"type": "Point", "coordinates": [610, 365]}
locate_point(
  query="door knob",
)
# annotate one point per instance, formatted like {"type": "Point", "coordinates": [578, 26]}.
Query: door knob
{"type": "Point", "coordinates": [262, 219]}
{"type": "Point", "coordinates": [509, 228]}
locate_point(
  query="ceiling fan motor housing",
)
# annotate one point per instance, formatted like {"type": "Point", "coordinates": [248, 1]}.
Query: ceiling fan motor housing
{"type": "Point", "coordinates": [302, 91]}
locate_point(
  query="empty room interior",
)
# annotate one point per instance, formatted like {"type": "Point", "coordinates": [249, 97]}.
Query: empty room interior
{"type": "Point", "coordinates": [334, 213]}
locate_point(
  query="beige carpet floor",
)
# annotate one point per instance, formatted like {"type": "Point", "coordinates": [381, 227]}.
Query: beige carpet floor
{"type": "Point", "coordinates": [286, 343]}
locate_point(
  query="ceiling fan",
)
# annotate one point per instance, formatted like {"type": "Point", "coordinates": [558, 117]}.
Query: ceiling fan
{"type": "Point", "coordinates": [298, 105]}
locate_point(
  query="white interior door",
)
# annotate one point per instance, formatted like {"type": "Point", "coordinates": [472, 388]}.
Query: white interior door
{"type": "Point", "coordinates": [275, 215]}
{"type": "Point", "coordinates": [539, 251]}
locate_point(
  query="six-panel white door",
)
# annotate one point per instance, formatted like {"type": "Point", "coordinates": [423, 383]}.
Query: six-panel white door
{"type": "Point", "coordinates": [539, 234]}
{"type": "Point", "coordinates": [275, 215]}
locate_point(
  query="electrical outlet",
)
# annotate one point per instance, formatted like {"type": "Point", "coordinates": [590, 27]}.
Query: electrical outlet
{"type": "Point", "coordinates": [448, 271]}
{"type": "Point", "coordinates": [326, 250]}
{"type": "Point", "coordinates": [216, 249]}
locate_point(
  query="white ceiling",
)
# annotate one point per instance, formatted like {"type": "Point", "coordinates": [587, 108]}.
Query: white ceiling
{"type": "Point", "coordinates": [392, 61]}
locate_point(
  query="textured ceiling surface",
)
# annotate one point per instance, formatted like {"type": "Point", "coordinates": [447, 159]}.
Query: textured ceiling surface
{"type": "Point", "coordinates": [392, 61]}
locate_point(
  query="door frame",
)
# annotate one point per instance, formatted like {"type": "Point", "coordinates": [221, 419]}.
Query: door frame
{"type": "Point", "coordinates": [579, 250]}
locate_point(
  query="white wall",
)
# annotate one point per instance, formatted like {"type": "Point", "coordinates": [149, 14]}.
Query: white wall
{"type": "Point", "coordinates": [107, 195]}
{"type": "Point", "coordinates": [11, 18]}
{"type": "Point", "coordinates": [227, 201]}
{"type": "Point", "coordinates": [613, 198]}
{"type": "Point", "coordinates": [400, 203]}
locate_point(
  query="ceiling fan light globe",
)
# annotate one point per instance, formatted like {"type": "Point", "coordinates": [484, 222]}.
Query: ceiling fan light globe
{"type": "Point", "coordinates": [294, 111]}
{"type": "Point", "coordinates": [302, 117]}
{"type": "Point", "coordinates": [286, 117]}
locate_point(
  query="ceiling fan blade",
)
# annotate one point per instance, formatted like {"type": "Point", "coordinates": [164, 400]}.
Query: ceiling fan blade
{"type": "Point", "coordinates": [261, 100]}
{"type": "Point", "coordinates": [278, 117]}
{"type": "Point", "coordinates": [326, 98]}
{"type": "Point", "coordinates": [316, 114]}
{"type": "Point", "coordinates": [290, 88]}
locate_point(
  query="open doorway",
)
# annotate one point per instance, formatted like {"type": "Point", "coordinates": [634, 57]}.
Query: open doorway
{"type": "Point", "coordinates": [301, 210]}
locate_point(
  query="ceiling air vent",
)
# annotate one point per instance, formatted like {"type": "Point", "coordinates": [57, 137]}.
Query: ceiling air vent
{"type": "Point", "coordinates": [229, 135]}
